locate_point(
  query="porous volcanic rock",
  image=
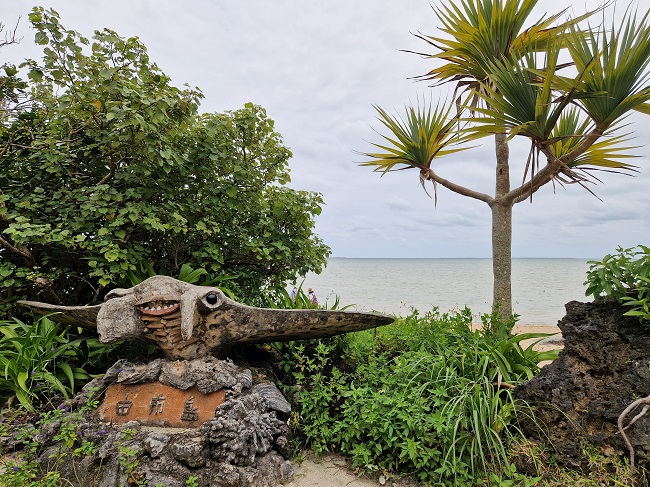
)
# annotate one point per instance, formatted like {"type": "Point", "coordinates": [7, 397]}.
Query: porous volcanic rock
{"type": "Point", "coordinates": [245, 444]}
{"type": "Point", "coordinates": [605, 366]}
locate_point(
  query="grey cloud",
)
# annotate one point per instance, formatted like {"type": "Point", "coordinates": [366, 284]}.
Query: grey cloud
{"type": "Point", "coordinates": [318, 67]}
{"type": "Point", "coordinates": [397, 203]}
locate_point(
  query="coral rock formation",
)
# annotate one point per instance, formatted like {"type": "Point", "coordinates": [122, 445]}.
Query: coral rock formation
{"type": "Point", "coordinates": [605, 366]}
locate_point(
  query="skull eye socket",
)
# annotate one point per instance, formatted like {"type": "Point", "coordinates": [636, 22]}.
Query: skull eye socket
{"type": "Point", "coordinates": [212, 298]}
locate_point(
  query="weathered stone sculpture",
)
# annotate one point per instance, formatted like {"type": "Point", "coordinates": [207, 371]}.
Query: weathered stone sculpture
{"type": "Point", "coordinates": [188, 321]}
{"type": "Point", "coordinates": [190, 415]}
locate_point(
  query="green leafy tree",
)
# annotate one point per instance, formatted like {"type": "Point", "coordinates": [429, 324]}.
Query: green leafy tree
{"type": "Point", "coordinates": [510, 84]}
{"type": "Point", "coordinates": [12, 88]}
{"type": "Point", "coordinates": [110, 169]}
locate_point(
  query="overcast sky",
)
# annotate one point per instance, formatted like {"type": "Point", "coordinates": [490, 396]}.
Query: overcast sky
{"type": "Point", "coordinates": [318, 68]}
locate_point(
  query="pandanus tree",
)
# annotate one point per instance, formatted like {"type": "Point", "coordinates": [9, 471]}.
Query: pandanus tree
{"type": "Point", "coordinates": [511, 83]}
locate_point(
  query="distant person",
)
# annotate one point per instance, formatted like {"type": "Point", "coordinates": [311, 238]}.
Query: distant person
{"type": "Point", "coordinates": [312, 297]}
{"type": "Point", "coordinates": [293, 293]}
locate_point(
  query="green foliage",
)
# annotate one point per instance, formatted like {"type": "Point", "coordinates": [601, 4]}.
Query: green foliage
{"type": "Point", "coordinates": [280, 298]}
{"type": "Point", "coordinates": [625, 277]}
{"type": "Point", "coordinates": [22, 469]}
{"type": "Point", "coordinates": [27, 474]}
{"type": "Point", "coordinates": [129, 463]}
{"type": "Point", "coordinates": [511, 362]}
{"type": "Point", "coordinates": [40, 360]}
{"type": "Point", "coordinates": [640, 302]}
{"type": "Point", "coordinates": [617, 274]}
{"type": "Point", "coordinates": [427, 395]}
{"type": "Point", "coordinates": [111, 170]}
{"type": "Point", "coordinates": [192, 481]}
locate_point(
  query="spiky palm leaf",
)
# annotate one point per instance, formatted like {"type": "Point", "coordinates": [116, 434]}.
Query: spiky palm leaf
{"type": "Point", "coordinates": [422, 135]}
{"type": "Point", "coordinates": [484, 32]}
{"type": "Point", "coordinates": [415, 140]}
{"type": "Point", "coordinates": [606, 154]}
{"type": "Point", "coordinates": [518, 100]}
{"type": "Point", "coordinates": [615, 65]}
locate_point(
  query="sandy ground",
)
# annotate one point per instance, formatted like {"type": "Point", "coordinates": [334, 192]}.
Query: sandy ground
{"type": "Point", "coordinates": [327, 471]}
{"type": "Point", "coordinates": [522, 328]}
{"type": "Point", "coordinates": [332, 470]}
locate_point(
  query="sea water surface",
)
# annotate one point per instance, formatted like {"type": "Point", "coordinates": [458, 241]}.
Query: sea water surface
{"type": "Point", "coordinates": [540, 287]}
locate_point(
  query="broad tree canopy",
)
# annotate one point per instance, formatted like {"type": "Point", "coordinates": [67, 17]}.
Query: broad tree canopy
{"type": "Point", "coordinates": [107, 168]}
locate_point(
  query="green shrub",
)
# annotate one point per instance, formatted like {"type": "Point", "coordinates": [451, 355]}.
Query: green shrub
{"type": "Point", "coordinates": [625, 277]}
{"type": "Point", "coordinates": [427, 395]}
{"type": "Point", "coordinates": [40, 360]}
{"type": "Point", "coordinates": [141, 168]}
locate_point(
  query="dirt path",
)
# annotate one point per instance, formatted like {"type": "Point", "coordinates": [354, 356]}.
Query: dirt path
{"type": "Point", "coordinates": [327, 471]}
{"type": "Point", "coordinates": [332, 471]}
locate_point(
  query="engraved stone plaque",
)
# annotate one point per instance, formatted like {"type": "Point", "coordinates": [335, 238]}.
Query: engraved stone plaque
{"type": "Point", "coordinates": [156, 404]}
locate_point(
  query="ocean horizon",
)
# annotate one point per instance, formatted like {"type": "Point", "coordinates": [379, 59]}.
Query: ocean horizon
{"type": "Point", "coordinates": [395, 285]}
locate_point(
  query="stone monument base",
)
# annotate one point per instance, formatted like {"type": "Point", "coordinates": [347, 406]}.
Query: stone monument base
{"type": "Point", "coordinates": [134, 437]}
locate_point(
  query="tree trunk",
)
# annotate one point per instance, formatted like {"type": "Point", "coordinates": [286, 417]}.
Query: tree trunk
{"type": "Point", "coordinates": [502, 258]}
{"type": "Point", "coordinates": [502, 232]}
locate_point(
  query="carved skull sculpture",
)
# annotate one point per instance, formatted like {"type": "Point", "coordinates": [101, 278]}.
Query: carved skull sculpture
{"type": "Point", "coordinates": [188, 321]}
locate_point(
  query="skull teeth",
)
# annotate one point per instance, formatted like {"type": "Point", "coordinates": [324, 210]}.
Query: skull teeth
{"type": "Point", "coordinates": [158, 308]}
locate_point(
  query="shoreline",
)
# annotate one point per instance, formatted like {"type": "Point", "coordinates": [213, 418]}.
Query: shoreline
{"type": "Point", "coordinates": [520, 328]}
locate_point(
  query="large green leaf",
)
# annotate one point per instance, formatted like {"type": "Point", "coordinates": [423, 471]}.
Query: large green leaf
{"type": "Point", "coordinates": [67, 370]}
{"type": "Point", "coordinates": [25, 400]}
{"type": "Point", "coordinates": [22, 380]}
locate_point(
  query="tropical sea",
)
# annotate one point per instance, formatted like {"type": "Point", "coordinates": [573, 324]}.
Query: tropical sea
{"type": "Point", "coordinates": [540, 287]}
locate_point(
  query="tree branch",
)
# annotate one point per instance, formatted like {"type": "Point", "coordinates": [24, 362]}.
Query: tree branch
{"type": "Point", "coordinates": [109, 176]}
{"type": "Point", "coordinates": [111, 173]}
{"type": "Point", "coordinates": [20, 251]}
{"type": "Point", "coordinates": [10, 36]}
{"type": "Point", "coordinates": [456, 188]}
{"type": "Point", "coordinates": [588, 141]}
{"type": "Point", "coordinates": [641, 401]}
{"type": "Point", "coordinates": [542, 177]}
